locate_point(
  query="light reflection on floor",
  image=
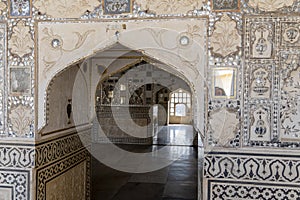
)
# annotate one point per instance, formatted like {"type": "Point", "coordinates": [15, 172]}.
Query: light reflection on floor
{"type": "Point", "coordinates": [175, 134]}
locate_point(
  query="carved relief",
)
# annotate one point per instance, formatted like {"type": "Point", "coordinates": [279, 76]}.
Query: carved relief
{"type": "Point", "coordinates": [170, 6]}
{"type": "Point", "coordinates": [67, 8]}
{"type": "Point", "coordinates": [117, 6]}
{"type": "Point", "coordinates": [260, 125]}
{"type": "Point", "coordinates": [290, 34]}
{"type": "Point", "coordinates": [225, 5]}
{"type": "Point", "coordinates": [225, 39]}
{"type": "Point", "coordinates": [290, 98]}
{"type": "Point", "coordinates": [260, 82]}
{"type": "Point", "coordinates": [55, 44]}
{"type": "Point", "coordinates": [21, 42]}
{"type": "Point", "coordinates": [223, 124]}
{"type": "Point", "coordinates": [21, 119]}
{"type": "Point", "coordinates": [270, 5]}
{"type": "Point", "coordinates": [262, 40]}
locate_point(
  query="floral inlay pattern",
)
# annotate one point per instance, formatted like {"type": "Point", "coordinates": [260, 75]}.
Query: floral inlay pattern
{"type": "Point", "coordinates": [67, 8]}
{"type": "Point", "coordinates": [170, 6]}
{"type": "Point", "coordinates": [21, 42]}
{"type": "Point", "coordinates": [225, 39]}
{"type": "Point", "coordinates": [21, 120]}
{"type": "Point", "coordinates": [270, 5]}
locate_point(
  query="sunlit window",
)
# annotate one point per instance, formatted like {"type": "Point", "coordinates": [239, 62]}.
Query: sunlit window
{"type": "Point", "coordinates": [180, 103]}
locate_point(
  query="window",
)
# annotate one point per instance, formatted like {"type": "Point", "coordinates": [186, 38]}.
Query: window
{"type": "Point", "coordinates": [180, 103]}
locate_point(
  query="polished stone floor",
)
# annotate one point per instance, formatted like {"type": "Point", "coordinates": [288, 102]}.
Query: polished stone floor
{"type": "Point", "coordinates": [176, 134]}
{"type": "Point", "coordinates": [178, 180]}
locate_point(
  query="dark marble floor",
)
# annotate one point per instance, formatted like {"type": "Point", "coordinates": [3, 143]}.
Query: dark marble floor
{"type": "Point", "coordinates": [176, 181]}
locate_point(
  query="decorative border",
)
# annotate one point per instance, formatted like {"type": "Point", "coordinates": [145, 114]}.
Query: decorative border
{"type": "Point", "coordinates": [13, 155]}
{"type": "Point", "coordinates": [57, 149]}
{"type": "Point", "coordinates": [46, 174]}
{"type": "Point", "coordinates": [3, 63]}
{"type": "Point", "coordinates": [234, 190]}
{"type": "Point", "coordinates": [19, 180]}
{"type": "Point", "coordinates": [252, 167]}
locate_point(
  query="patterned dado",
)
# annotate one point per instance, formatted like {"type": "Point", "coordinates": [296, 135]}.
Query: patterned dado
{"type": "Point", "coordinates": [15, 183]}
{"type": "Point", "coordinates": [233, 190]}
{"type": "Point", "coordinates": [231, 175]}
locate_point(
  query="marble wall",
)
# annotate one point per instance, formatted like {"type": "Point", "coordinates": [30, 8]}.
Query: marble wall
{"type": "Point", "coordinates": [257, 39]}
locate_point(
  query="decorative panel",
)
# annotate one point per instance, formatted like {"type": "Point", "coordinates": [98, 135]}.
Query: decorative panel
{"type": "Point", "coordinates": [290, 97]}
{"type": "Point", "coordinates": [65, 9]}
{"type": "Point", "coordinates": [262, 40]}
{"type": "Point", "coordinates": [260, 129]}
{"type": "Point", "coordinates": [117, 6]}
{"type": "Point", "coordinates": [225, 5]}
{"type": "Point", "coordinates": [18, 180]}
{"type": "Point", "coordinates": [225, 38]}
{"type": "Point", "coordinates": [20, 80]}
{"type": "Point", "coordinates": [270, 5]}
{"type": "Point", "coordinates": [223, 125]}
{"type": "Point", "coordinates": [170, 7]}
{"type": "Point", "coordinates": [69, 185]}
{"type": "Point", "coordinates": [271, 84]}
{"type": "Point", "coordinates": [20, 8]}
{"type": "Point", "coordinates": [290, 32]}
{"type": "Point", "coordinates": [45, 175]}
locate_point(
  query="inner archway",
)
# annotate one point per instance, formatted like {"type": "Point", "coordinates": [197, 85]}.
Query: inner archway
{"type": "Point", "coordinates": [142, 86]}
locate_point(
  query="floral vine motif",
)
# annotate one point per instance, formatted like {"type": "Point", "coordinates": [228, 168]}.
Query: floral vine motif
{"type": "Point", "coordinates": [225, 39]}
{"type": "Point", "coordinates": [55, 44]}
{"type": "Point", "coordinates": [183, 40]}
{"type": "Point", "coordinates": [270, 5]}
{"type": "Point", "coordinates": [66, 8]}
{"type": "Point", "coordinates": [21, 42]}
{"type": "Point", "coordinates": [170, 6]}
{"type": "Point", "coordinates": [21, 119]}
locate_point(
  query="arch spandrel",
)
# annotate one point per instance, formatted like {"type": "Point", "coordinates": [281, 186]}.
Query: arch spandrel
{"type": "Point", "coordinates": [181, 44]}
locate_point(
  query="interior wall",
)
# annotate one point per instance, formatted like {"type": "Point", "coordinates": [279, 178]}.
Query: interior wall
{"type": "Point", "coordinates": [259, 39]}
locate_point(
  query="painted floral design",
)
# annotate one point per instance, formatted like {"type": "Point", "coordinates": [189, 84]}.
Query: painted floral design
{"type": "Point", "coordinates": [270, 5]}
{"type": "Point", "coordinates": [65, 8]}
{"type": "Point", "coordinates": [225, 39]}
{"type": "Point", "coordinates": [21, 42]}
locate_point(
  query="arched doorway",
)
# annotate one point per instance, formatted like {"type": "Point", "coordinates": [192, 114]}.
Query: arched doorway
{"type": "Point", "coordinates": [182, 65]}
